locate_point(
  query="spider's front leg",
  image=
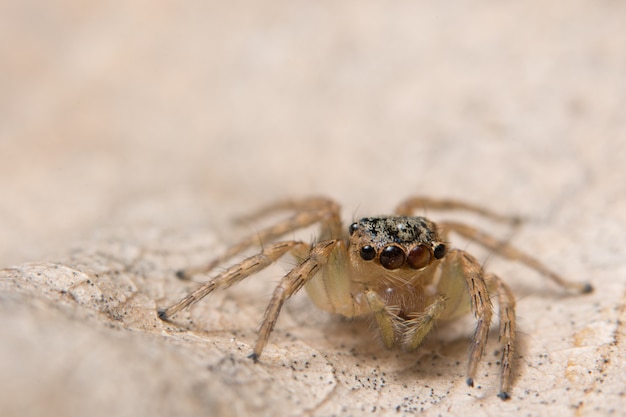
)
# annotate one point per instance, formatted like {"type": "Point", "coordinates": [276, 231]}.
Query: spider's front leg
{"type": "Point", "coordinates": [290, 284]}
{"type": "Point", "coordinates": [460, 267]}
{"type": "Point", "coordinates": [463, 278]}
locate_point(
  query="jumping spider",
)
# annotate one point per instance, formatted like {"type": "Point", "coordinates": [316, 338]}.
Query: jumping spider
{"type": "Point", "coordinates": [397, 269]}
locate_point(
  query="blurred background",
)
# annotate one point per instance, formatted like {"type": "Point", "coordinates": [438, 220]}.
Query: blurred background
{"type": "Point", "coordinates": [131, 132]}
{"type": "Point", "coordinates": [119, 112]}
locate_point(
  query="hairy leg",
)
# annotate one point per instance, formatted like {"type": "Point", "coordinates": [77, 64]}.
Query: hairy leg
{"type": "Point", "coordinates": [289, 285]}
{"type": "Point", "coordinates": [409, 206]}
{"type": "Point", "coordinates": [506, 310]}
{"type": "Point", "coordinates": [307, 212]}
{"type": "Point", "coordinates": [235, 274]}
{"type": "Point", "coordinates": [461, 265]}
{"type": "Point", "coordinates": [506, 250]}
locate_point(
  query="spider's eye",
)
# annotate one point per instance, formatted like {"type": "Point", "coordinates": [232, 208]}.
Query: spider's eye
{"type": "Point", "coordinates": [419, 257]}
{"type": "Point", "coordinates": [367, 252]}
{"type": "Point", "coordinates": [440, 251]}
{"type": "Point", "coordinates": [353, 227]}
{"type": "Point", "coordinates": [392, 257]}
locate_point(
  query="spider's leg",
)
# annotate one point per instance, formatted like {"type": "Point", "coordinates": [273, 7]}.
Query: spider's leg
{"type": "Point", "coordinates": [461, 265]}
{"type": "Point", "coordinates": [308, 212]}
{"type": "Point", "coordinates": [388, 322]}
{"type": "Point", "coordinates": [419, 326]}
{"type": "Point", "coordinates": [293, 205]}
{"type": "Point", "coordinates": [289, 285]}
{"type": "Point", "coordinates": [235, 274]}
{"type": "Point", "coordinates": [506, 250]}
{"type": "Point", "coordinates": [506, 309]}
{"type": "Point", "coordinates": [409, 206]}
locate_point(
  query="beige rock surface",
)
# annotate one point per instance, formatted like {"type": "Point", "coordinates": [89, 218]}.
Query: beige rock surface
{"type": "Point", "coordinates": [132, 132]}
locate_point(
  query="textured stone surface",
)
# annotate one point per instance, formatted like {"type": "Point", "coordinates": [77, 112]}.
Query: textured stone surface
{"type": "Point", "coordinates": [132, 132]}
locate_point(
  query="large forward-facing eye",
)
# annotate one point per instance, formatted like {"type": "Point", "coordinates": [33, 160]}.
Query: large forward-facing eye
{"type": "Point", "coordinates": [419, 257]}
{"type": "Point", "coordinates": [392, 257]}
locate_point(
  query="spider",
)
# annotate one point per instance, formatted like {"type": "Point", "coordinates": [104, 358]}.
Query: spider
{"type": "Point", "coordinates": [397, 269]}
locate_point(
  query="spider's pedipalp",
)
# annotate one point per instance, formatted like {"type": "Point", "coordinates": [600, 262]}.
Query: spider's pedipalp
{"type": "Point", "coordinates": [387, 321]}
{"type": "Point", "coordinates": [417, 328]}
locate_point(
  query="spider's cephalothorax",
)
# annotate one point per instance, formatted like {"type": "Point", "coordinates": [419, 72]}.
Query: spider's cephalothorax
{"type": "Point", "coordinates": [397, 241]}
{"type": "Point", "coordinates": [396, 269]}
{"type": "Point", "coordinates": [390, 271]}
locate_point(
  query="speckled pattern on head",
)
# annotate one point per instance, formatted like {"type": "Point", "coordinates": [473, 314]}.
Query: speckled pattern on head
{"type": "Point", "coordinates": [398, 229]}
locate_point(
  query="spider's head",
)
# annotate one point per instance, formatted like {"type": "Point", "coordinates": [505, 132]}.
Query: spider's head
{"type": "Point", "coordinates": [396, 241]}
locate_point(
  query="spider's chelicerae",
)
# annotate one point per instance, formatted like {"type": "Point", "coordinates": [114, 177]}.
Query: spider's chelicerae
{"type": "Point", "coordinates": [397, 269]}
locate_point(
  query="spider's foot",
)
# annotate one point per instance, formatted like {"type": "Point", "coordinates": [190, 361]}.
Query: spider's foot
{"type": "Point", "coordinates": [162, 313]}
{"type": "Point", "coordinates": [180, 274]}
{"type": "Point", "coordinates": [587, 288]}
{"type": "Point", "coordinates": [470, 382]}
{"type": "Point", "coordinates": [504, 395]}
{"type": "Point", "coordinates": [254, 357]}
